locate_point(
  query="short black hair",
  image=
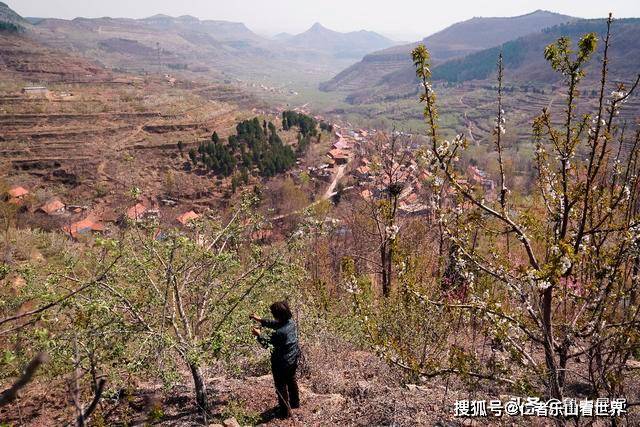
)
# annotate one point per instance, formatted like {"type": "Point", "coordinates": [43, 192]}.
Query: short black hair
{"type": "Point", "coordinates": [281, 311]}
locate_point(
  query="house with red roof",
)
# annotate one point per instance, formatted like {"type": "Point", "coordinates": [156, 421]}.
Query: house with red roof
{"type": "Point", "coordinates": [480, 177]}
{"type": "Point", "coordinates": [343, 144]}
{"type": "Point", "coordinates": [339, 156]}
{"type": "Point", "coordinates": [53, 207]}
{"type": "Point", "coordinates": [18, 192]}
{"type": "Point", "coordinates": [363, 172]}
{"type": "Point", "coordinates": [136, 213]}
{"type": "Point", "coordinates": [86, 226]}
{"type": "Point", "coordinates": [17, 195]}
{"type": "Point", "coordinates": [187, 217]}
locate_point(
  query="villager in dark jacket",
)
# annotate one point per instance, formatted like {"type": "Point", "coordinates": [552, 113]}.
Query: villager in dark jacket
{"type": "Point", "coordinates": [283, 342]}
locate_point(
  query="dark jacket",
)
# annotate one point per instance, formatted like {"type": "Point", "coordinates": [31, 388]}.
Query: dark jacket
{"type": "Point", "coordinates": [284, 343]}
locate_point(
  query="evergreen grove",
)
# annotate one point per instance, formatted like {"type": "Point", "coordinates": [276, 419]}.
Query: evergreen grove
{"type": "Point", "coordinates": [255, 146]}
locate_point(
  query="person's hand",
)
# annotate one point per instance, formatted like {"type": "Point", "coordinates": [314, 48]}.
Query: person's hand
{"type": "Point", "coordinates": [255, 317]}
{"type": "Point", "coordinates": [255, 331]}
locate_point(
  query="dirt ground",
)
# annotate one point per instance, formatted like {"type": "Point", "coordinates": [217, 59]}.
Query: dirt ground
{"type": "Point", "coordinates": [340, 385]}
{"type": "Point", "coordinates": [357, 390]}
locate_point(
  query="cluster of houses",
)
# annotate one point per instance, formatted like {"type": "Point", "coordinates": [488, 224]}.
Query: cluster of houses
{"type": "Point", "coordinates": [344, 149]}
{"type": "Point", "coordinates": [341, 152]}
{"type": "Point", "coordinates": [352, 144]}
{"type": "Point", "coordinates": [414, 198]}
{"type": "Point", "coordinates": [94, 222]}
{"type": "Point", "coordinates": [375, 185]}
{"type": "Point", "coordinates": [480, 177]}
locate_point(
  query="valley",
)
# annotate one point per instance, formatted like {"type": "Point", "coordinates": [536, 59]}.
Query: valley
{"type": "Point", "coordinates": [431, 228]}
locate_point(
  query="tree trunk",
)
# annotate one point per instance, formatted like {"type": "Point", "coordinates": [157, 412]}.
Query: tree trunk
{"type": "Point", "coordinates": [201, 390]}
{"type": "Point", "coordinates": [389, 267]}
{"type": "Point", "coordinates": [555, 390]}
{"type": "Point", "coordinates": [386, 273]}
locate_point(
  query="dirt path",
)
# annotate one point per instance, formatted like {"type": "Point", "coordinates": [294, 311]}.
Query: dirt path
{"type": "Point", "coordinates": [338, 176]}
{"type": "Point", "coordinates": [466, 119]}
{"type": "Point", "coordinates": [325, 196]}
{"type": "Point", "coordinates": [123, 143]}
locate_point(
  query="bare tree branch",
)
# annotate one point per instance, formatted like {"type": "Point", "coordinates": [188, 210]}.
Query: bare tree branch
{"type": "Point", "coordinates": [10, 394]}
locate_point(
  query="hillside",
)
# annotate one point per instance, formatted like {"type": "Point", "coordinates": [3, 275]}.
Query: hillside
{"type": "Point", "coordinates": [9, 15]}
{"type": "Point", "coordinates": [455, 41]}
{"type": "Point", "coordinates": [172, 41]}
{"type": "Point", "coordinates": [192, 46]}
{"type": "Point", "coordinates": [342, 45]}
{"type": "Point", "coordinates": [72, 130]}
{"type": "Point", "coordinates": [220, 30]}
{"type": "Point", "coordinates": [524, 62]}
{"type": "Point", "coordinates": [24, 58]}
{"type": "Point", "coordinates": [10, 21]}
{"type": "Point", "coordinates": [177, 250]}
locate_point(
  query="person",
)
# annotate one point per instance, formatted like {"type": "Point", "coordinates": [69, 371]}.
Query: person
{"type": "Point", "coordinates": [285, 353]}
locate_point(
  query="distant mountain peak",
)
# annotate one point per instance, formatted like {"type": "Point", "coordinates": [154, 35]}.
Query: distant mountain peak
{"type": "Point", "coordinates": [159, 16]}
{"type": "Point", "coordinates": [353, 44]}
{"type": "Point", "coordinates": [188, 18]}
{"type": "Point", "coordinates": [318, 27]}
{"type": "Point", "coordinates": [542, 12]}
{"type": "Point", "coordinates": [539, 13]}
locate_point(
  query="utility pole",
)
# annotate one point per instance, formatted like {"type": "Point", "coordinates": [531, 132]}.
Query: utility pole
{"type": "Point", "coordinates": [159, 62]}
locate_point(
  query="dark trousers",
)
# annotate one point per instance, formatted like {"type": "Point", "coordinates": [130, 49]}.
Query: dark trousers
{"type": "Point", "coordinates": [284, 379]}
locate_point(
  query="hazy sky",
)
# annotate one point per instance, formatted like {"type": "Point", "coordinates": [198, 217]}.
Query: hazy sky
{"type": "Point", "coordinates": [402, 19]}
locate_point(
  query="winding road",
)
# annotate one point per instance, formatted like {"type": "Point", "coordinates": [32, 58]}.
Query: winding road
{"type": "Point", "coordinates": [466, 119]}
{"type": "Point", "coordinates": [338, 176]}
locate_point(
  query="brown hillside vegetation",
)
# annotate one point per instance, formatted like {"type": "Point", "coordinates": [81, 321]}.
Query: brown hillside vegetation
{"type": "Point", "coordinates": [22, 56]}
{"type": "Point", "coordinates": [175, 252]}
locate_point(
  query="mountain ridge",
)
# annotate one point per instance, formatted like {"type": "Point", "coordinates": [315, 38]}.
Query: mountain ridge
{"type": "Point", "coordinates": [457, 40]}
{"type": "Point", "coordinates": [189, 44]}
{"type": "Point", "coordinates": [523, 59]}
{"type": "Point", "coordinates": [348, 44]}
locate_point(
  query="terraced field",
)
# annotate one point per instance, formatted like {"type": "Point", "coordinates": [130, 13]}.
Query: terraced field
{"type": "Point", "coordinates": [90, 144]}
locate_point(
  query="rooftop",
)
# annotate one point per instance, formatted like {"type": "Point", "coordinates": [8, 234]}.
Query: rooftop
{"type": "Point", "coordinates": [84, 226]}
{"type": "Point", "coordinates": [52, 206]}
{"type": "Point", "coordinates": [336, 153]}
{"type": "Point", "coordinates": [135, 213]}
{"type": "Point", "coordinates": [187, 217]}
{"type": "Point", "coordinates": [18, 191]}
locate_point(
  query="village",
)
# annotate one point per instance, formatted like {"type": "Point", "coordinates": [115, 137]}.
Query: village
{"type": "Point", "coordinates": [280, 214]}
{"type": "Point", "coordinates": [353, 164]}
{"type": "Point", "coordinates": [356, 156]}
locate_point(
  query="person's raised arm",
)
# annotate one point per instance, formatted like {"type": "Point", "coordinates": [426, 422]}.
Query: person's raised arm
{"type": "Point", "coordinates": [263, 339]}
{"type": "Point", "coordinates": [267, 323]}
{"type": "Point", "coordinates": [271, 324]}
